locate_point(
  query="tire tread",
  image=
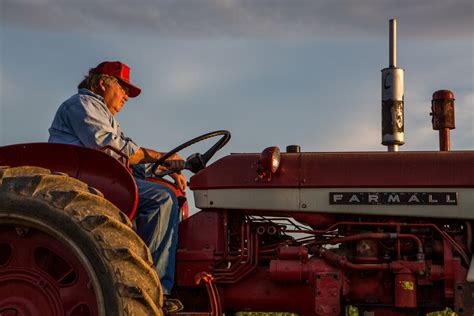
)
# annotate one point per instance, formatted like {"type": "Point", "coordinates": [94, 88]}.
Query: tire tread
{"type": "Point", "coordinates": [111, 231]}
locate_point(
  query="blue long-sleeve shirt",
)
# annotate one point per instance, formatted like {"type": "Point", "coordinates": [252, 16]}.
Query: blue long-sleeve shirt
{"type": "Point", "coordinates": [85, 120]}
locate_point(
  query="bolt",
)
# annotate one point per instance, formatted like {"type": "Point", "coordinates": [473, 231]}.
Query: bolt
{"type": "Point", "coordinates": [303, 205]}
{"type": "Point", "coordinates": [22, 231]}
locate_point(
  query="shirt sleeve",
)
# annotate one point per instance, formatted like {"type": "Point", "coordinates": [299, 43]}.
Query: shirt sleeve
{"type": "Point", "coordinates": [93, 126]}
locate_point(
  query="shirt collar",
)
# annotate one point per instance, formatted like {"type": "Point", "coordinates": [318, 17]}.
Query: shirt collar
{"type": "Point", "coordinates": [90, 93]}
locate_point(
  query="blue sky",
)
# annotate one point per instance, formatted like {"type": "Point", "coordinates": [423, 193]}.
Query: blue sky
{"type": "Point", "coordinates": [272, 72]}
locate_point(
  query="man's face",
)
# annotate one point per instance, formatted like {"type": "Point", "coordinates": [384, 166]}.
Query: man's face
{"type": "Point", "coordinates": [115, 96]}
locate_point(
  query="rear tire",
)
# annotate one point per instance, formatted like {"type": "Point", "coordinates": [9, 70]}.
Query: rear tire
{"type": "Point", "coordinates": [67, 250]}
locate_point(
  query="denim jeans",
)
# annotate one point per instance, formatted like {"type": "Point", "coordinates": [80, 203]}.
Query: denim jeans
{"type": "Point", "coordinates": [157, 220]}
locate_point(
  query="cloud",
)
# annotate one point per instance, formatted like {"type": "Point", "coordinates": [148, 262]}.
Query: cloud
{"type": "Point", "coordinates": [183, 80]}
{"type": "Point", "coordinates": [277, 18]}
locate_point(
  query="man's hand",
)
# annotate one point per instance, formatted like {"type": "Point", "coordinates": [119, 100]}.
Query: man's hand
{"type": "Point", "coordinates": [179, 180]}
{"type": "Point", "coordinates": [177, 165]}
{"type": "Point", "coordinates": [175, 162]}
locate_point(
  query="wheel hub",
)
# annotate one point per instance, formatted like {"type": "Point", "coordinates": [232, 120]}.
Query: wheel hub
{"type": "Point", "coordinates": [28, 294]}
{"type": "Point", "coordinates": [39, 275]}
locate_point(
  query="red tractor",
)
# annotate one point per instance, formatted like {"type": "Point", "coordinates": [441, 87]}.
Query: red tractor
{"type": "Point", "coordinates": [363, 233]}
{"type": "Point", "coordinates": [294, 233]}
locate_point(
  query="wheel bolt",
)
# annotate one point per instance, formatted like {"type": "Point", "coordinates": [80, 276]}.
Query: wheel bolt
{"type": "Point", "coordinates": [22, 231]}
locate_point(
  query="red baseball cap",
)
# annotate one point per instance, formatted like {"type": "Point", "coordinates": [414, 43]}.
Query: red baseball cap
{"type": "Point", "coordinates": [121, 72]}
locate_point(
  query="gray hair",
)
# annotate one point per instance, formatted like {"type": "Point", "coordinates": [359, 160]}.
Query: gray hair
{"type": "Point", "coordinates": [92, 80]}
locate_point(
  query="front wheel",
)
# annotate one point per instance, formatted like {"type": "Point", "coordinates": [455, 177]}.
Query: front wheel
{"type": "Point", "coordinates": [65, 250]}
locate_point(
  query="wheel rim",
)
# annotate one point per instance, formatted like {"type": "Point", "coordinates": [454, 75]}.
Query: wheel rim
{"type": "Point", "coordinates": [41, 274]}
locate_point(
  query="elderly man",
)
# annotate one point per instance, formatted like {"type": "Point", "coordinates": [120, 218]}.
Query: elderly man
{"type": "Point", "coordinates": [87, 119]}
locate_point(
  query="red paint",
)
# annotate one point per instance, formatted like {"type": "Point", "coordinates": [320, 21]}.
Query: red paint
{"type": "Point", "coordinates": [293, 253]}
{"type": "Point", "coordinates": [44, 270]}
{"type": "Point", "coordinates": [91, 166]}
{"type": "Point", "coordinates": [259, 293]}
{"type": "Point", "coordinates": [385, 265]}
{"type": "Point", "coordinates": [342, 170]}
{"type": "Point", "coordinates": [443, 119]}
{"type": "Point", "coordinates": [405, 289]}
{"type": "Point", "coordinates": [252, 273]}
{"type": "Point", "coordinates": [328, 294]}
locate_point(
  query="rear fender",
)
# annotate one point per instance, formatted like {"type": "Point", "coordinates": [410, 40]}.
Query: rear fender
{"type": "Point", "coordinates": [91, 166]}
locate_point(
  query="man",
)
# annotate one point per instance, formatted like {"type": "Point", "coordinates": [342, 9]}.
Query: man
{"type": "Point", "coordinates": [87, 119]}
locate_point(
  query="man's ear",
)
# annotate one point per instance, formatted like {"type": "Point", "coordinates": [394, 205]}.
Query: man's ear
{"type": "Point", "coordinates": [102, 85]}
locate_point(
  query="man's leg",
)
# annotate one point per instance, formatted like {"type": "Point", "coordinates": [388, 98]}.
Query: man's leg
{"type": "Point", "coordinates": [157, 220]}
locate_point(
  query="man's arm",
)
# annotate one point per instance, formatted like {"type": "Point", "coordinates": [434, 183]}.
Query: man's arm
{"type": "Point", "coordinates": [94, 126]}
{"type": "Point", "coordinates": [146, 155]}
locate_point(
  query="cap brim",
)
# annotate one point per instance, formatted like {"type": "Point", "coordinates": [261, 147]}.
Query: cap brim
{"type": "Point", "coordinates": [133, 91]}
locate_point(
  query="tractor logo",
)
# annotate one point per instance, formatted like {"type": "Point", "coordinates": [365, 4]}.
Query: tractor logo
{"type": "Point", "coordinates": [393, 198]}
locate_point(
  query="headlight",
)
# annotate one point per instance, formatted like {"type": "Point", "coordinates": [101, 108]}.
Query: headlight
{"type": "Point", "coordinates": [268, 162]}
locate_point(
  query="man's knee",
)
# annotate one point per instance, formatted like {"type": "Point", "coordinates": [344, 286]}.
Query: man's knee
{"type": "Point", "coordinates": [155, 191]}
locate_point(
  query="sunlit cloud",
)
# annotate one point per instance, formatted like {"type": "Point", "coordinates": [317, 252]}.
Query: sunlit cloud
{"type": "Point", "coordinates": [279, 18]}
{"type": "Point", "coordinates": [239, 65]}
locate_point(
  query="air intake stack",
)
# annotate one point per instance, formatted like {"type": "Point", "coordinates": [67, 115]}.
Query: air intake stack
{"type": "Point", "coordinates": [392, 97]}
{"type": "Point", "coordinates": [442, 112]}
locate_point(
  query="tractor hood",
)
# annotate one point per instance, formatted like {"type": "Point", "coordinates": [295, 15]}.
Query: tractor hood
{"type": "Point", "coordinates": [424, 183]}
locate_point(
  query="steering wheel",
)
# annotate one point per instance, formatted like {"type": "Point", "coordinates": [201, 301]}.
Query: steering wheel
{"type": "Point", "coordinates": [196, 161]}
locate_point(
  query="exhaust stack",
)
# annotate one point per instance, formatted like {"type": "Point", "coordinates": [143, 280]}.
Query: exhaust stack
{"type": "Point", "coordinates": [392, 97]}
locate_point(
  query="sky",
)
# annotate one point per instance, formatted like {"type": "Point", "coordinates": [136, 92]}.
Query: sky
{"type": "Point", "coordinates": [272, 72]}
